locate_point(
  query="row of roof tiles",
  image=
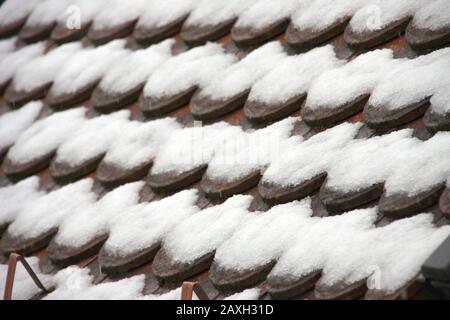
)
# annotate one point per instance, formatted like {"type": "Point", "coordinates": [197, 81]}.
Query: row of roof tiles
{"type": "Point", "coordinates": [232, 160]}
{"type": "Point", "coordinates": [308, 22]}
{"type": "Point", "coordinates": [219, 89]}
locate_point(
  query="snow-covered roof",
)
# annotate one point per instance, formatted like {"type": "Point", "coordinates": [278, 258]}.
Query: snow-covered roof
{"type": "Point", "coordinates": [266, 149]}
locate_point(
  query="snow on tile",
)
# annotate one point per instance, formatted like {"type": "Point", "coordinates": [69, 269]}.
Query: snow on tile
{"type": "Point", "coordinates": [293, 76]}
{"type": "Point", "coordinates": [165, 12]}
{"type": "Point", "coordinates": [413, 81]}
{"type": "Point", "coordinates": [44, 69]}
{"type": "Point", "coordinates": [209, 13]}
{"type": "Point", "coordinates": [14, 198]}
{"type": "Point", "coordinates": [118, 12]}
{"type": "Point", "coordinates": [424, 165]}
{"type": "Point", "coordinates": [7, 46]}
{"type": "Point", "coordinates": [87, 66]}
{"type": "Point", "coordinates": [377, 14]}
{"type": "Point", "coordinates": [266, 235]}
{"type": "Point", "coordinates": [440, 102]}
{"type": "Point", "coordinates": [190, 148]}
{"type": "Point", "coordinates": [87, 9]}
{"type": "Point", "coordinates": [14, 60]}
{"type": "Point", "coordinates": [146, 225]}
{"type": "Point", "coordinates": [391, 256]}
{"type": "Point", "coordinates": [93, 138]}
{"type": "Point", "coordinates": [13, 123]}
{"type": "Point", "coordinates": [50, 210]}
{"type": "Point", "coordinates": [74, 283]}
{"type": "Point", "coordinates": [24, 287]}
{"type": "Point", "coordinates": [140, 142]}
{"type": "Point", "coordinates": [320, 14]}
{"type": "Point", "coordinates": [15, 10]}
{"type": "Point", "coordinates": [243, 74]}
{"type": "Point", "coordinates": [171, 295]}
{"type": "Point", "coordinates": [368, 170]}
{"type": "Point", "coordinates": [47, 12]}
{"type": "Point", "coordinates": [96, 218]}
{"type": "Point", "coordinates": [312, 248]}
{"type": "Point", "coordinates": [253, 150]}
{"type": "Point", "coordinates": [135, 68]}
{"type": "Point", "coordinates": [434, 16]}
{"type": "Point", "coordinates": [266, 12]}
{"type": "Point", "coordinates": [205, 231]}
{"type": "Point", "coordinates": [407, 164]}
{"type": "Point", "coordinates": [349, 248]}
{"type": "Point", "coordinates": [45, 135]}
{"type": "Point", "coordinates": [249, 294]}
{"type": "Point", "coordinates": [194, 68]}
{"type": "Point", "coordinates": [314, 156]}
{"type": "Point", "coordinates": [358, 77]}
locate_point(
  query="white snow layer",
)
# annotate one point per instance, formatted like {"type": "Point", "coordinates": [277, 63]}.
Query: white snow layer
{"type": "Point", "coordinates": [15, 10]}
{"type": "Point", "coordinates": [43, 70]}
{"type": "Point", "coordinates": [118, 12]}
{"type": "Point", "coordinates": [249, 294]}
{"type": "Point", "coordinates": [204, 232]}
{"type": "Point", "coordinates": [429, 161]}
{"type": "Point", "coordinates": [13, 123]}
{"type": "Point", "coordinates": [171, 295]}
{"type": "Point", "coordinates": [15, 197]}
{"type": "Point", "coordinates": [407, 164]}
{"type": "Point", "coordinates": [347, 82]}
{"type": "Point", "coordinates": [95, 218]}
{"type": "Point", "coordinates": [319, 237]}
{"type": "Point", "coordinates": [87, 66]}
{"type": "Point", "coordinates": [265, 12]}
{"type": "Point", "coordinates": [147, 224]}
{"type": "Point", "coordinates": [165, 12]}
{"type": "Point", "coordinates": [47, 12]}
{"type": "Point", "coordinates": [243, 74]}
{"type": "Point", "coordinates": [210, 13]}
{"type": "Point", "coordinates": [194, 68]}
{"type": "Point", "coordinates": [74, 283]}
{"type": "Point", "coordinates": [434, 16]}
{"type": "Point", "coordinates": [348, 248]}
{"type": "Point", "coordinates": [87, 10]}
{"type": "Point", "coordinates": [190, 148]}
{"type": "Point", "coordinates": [293, 75]}
{"type": "Point", "coordinates": [93, 138]}
{"type": "Point", "coordinates": [312, 157]}
{"type": "Point", "coordinates": [135, 68]}
{"type": "Point", "coordinates": [415, 80]}
{"type": "Point", "coordinates": [45, 135]}
{"type": "Point", "coordinates": [139, 142]}
{"type": "Point", "coordinates": [24, 287]}
{"type": "Point", "coordinates": [391, 83]}
{"type": "Point", "coordinates": [7, 46]}
{"type": "Point", "coordinates": [320, 14]}
{"type": "Point", "coordinates": [230, 152]}
{"type": "Point", "coordinates": [377, 14]}
{"type": "Point", "coordinates": [266, 236]}
{"type": "Point", "coordinates": [48, 211]}
{"type": "Point", "coordinates": [14, 60]}
{"type": "Point", "coordinates": [397, 252]}
{"type": "Point", "coordinates": [246, 152]}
